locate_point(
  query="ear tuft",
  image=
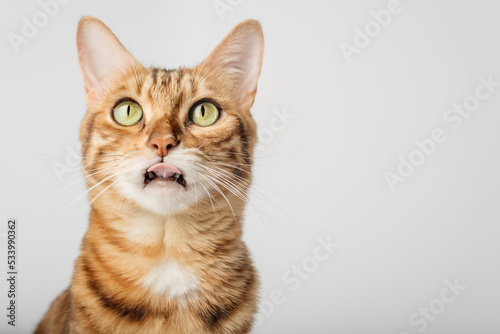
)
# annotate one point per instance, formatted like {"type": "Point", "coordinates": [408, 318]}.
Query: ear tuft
{"type": "Point", "coordinates": [239, 56]}
{"type": "Point", "coordinates": [100, 53]}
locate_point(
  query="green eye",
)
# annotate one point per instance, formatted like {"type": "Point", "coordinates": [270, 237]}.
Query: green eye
{"type": "Point", "coordinates": [204, 114]}
{"type": "Point", "coordinates": [127, 113]}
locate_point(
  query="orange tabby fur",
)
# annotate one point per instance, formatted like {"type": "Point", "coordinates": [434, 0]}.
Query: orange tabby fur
{"type": "Point", "coordinates": [125, 241]}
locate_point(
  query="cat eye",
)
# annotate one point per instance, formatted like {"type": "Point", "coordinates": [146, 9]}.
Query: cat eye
{"type": "Point", "coordinates": [127, 113]}
{"type": "Point", "coordinates": [204, 114]}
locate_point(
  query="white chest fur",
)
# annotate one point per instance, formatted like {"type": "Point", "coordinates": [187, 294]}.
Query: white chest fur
{"type": "Point", "coordinates": [166, 277]}
{"type": "Point", "coordinates": [169, 278]}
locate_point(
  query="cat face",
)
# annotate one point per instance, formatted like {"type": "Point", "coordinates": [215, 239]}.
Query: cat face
{"type": "Point", "coordinates": [166, 139]}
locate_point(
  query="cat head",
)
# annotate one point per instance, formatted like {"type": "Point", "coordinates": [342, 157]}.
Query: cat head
{"type": "Point", "coordinates": [167, 139]}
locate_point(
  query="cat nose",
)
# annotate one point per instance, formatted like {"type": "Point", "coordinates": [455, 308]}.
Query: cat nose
{"type": "Point", "coordinates": [162, 145]}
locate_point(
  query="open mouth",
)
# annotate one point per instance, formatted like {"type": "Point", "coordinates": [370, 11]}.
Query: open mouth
{"type": "Point", "coordinates": [164, 172]}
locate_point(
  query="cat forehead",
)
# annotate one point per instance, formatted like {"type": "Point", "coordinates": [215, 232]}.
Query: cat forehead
{"type": "Point", "coordinates": [159, 84]}
{"type": "Point", "coordinates": [163, 89]}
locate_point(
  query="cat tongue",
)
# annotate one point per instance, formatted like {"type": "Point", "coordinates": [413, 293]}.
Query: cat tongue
{"type": "Point", "coordinates": [164, 170]}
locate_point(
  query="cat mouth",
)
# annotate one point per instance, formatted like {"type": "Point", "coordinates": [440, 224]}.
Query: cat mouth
{"type": "Point", "coordinates": [164, 172]}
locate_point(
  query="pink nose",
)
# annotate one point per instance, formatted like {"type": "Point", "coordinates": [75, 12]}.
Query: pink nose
{"type": "Point", "coordinates": [162, 145]}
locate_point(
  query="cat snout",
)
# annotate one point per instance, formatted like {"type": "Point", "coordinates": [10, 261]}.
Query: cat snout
{"type": "Point", "coordinates": [162, 145]}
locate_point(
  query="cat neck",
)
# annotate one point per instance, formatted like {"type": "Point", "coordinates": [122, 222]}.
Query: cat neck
{"type": "Point", "coordinates": [168, 256]}
{"type": "Point", "coordinates": [202, 228]}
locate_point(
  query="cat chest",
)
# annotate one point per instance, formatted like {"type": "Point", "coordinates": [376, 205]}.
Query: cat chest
{"type": "Point", "coordinates": [170, 279]}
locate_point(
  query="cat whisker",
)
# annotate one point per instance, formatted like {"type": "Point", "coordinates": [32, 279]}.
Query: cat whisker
{"type": "Point", "coordinates": [86, 192]}
{"type": "Point", "coordinates": [226, 183]}
{"type": "Point", "coordinates": [73, 170]}
{"type": "Point", "coordinates": [214, 173]}
{"type": "Point", "coordinates": [48, 178]}
{"type": "Point", "coordinates": [257, 209]}
{"type": "Point", "coordinates": [120, 199]}
{"type": "Point", "coordinates": [220, 163]}
{"type": "Point", "coordinates": [212, 159]}
{"type": "Point", "coordinates": [230, 186]}
{"type": "Point", "coordinates": [62, 190]}
{"type": "Point", "coordinates": [197, 196]}
{"type": "Point", "coordinates": [220, 192]}
{"type": "Point", "coordinates": [210, 198]}
{"type": "Point", "coordinates": [254, 182]}
{"type": "Point", "coordinates": [242, 180]}
{"type": "Point", "coordinates": [237, 191]}
{"type": "Point", "coordinates": [202, 145]}
{"type": "Point", "coordinates": [88, 204]}
{"type": "Point", "coordinates": [106, 153]}
{"type": "Point", "coordinates": [44, 154]}
{"type": "Point", "coordinates": [99, 162]}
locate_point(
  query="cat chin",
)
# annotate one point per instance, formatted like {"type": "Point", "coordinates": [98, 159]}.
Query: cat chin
{"type": "Point", "coordinates": [164, 190]}
{"type": "Point", "coordinates": [163, 197]}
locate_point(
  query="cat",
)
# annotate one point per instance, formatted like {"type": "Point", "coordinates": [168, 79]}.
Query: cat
{"type": "Point", "coordinates": [167, 157]}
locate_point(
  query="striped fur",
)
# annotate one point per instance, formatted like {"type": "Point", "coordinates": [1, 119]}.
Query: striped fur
{"type": "Point", "coordinates": [179, 266]}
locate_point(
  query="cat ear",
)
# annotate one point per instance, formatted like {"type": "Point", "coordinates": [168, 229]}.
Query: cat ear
{"type": "Point", "coordinates": [100, 54]}
{"type": "Point", "coordinates": [239, 57]}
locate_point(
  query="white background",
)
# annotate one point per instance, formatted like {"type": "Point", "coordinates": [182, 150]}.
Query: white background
{"type": "Point", "coordinates": [323, 173]}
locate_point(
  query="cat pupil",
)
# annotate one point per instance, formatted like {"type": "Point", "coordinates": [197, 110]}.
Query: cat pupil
{"type": "Point", "coordinates": [128, 110]}
{"type": "Point", "coordinates": [202, 111]}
